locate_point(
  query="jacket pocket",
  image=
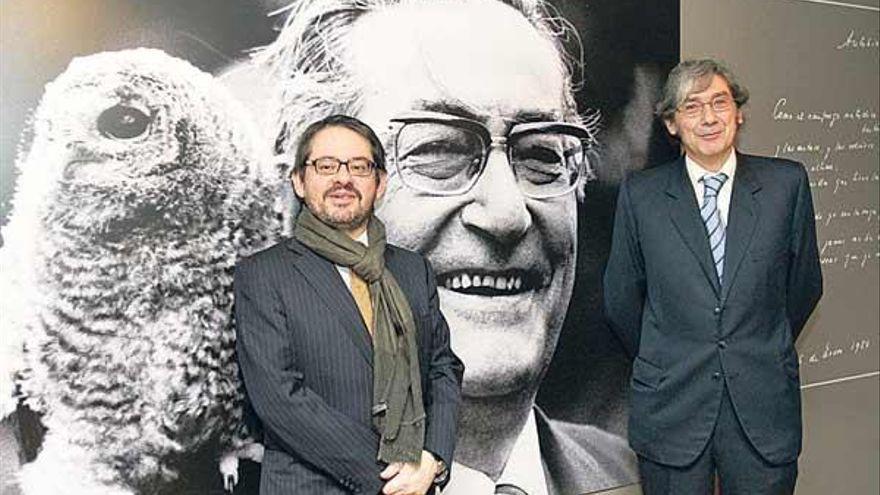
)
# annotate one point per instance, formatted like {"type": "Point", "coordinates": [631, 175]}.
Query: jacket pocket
{"type": "Point", "coordinates": [647, 374]}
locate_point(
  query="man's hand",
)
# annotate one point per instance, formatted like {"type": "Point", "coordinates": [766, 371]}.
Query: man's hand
{"type": "Point", "coordinates": [409, 478]}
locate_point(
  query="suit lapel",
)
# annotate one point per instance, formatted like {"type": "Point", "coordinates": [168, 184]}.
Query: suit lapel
{"type": "Point", "coordinates": [324, 278]}
{"type": "Point", "coordinates": [685, 214]}
{"type": "Point", "coordinates": [742, 219]}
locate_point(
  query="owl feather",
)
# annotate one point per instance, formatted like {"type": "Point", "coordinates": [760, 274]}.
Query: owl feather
{"type": "Point", "coordinates": [141, 187]}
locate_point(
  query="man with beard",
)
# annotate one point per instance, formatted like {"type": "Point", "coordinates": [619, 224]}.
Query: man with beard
{"type": "Point", "coordinates": [487, 165]}
{"type": "Point", "coordinates": [343, 349]}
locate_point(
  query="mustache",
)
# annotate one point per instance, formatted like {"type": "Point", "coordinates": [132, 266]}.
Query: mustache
{"type": "Point", "coordinates": [343, 187]}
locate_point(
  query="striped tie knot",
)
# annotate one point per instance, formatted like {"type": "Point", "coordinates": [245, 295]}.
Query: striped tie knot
{"type": "Point", "coordinates": [713, 183]}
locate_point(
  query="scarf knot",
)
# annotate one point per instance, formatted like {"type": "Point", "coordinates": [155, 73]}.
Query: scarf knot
{"type": "Point", "coordinates": [371, 265]}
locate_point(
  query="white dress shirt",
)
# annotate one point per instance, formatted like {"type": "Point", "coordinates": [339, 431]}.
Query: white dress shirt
{"type": "Point", "coordinates": [524, 468]}
{"type": "Point", "coordinates": [696, 173]}
{"type": "Point", "coordinates": [344, 271]}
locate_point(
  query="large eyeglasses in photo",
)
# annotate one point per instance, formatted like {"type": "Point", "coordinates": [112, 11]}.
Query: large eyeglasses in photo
{"type": "Point", "coordinates": [445, 155]}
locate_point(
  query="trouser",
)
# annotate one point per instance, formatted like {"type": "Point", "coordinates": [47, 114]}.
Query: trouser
{"type": "Point", "coordinates": [731, 456]}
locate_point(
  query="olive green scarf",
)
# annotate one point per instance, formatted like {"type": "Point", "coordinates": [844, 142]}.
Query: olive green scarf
{"type": "Point", "coordinates": [398, 412]}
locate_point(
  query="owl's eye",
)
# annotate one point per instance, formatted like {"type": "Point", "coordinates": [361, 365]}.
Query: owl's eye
{"type": "Point", "coordinates": [123, 122]}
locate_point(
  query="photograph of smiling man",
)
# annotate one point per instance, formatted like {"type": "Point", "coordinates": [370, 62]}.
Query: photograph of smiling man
{"type": "Point", "coordinates": [488, 160]}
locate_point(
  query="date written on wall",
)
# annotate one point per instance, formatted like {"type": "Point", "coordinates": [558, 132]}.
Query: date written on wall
{"type": "Point", "coordinates": [829, 351]}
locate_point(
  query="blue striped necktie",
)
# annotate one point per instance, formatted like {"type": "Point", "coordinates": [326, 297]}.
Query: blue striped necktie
{"type": "Point", "coordinates": [712, 219]}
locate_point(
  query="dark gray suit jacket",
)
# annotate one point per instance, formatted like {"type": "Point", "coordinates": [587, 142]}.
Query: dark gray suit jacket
{"type": "Point", "coordinates": [306, 359]}
{"type": "Point", "coordinates": [688, 333]}
{"type": "Point", "coordinates": [579, 458]}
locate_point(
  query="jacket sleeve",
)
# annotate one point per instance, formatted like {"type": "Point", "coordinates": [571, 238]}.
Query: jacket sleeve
{"type": "Point", "coordinates": [624, 281]}
{"type": "Point", "coordinates": [445, 370]}
{"type": "Point", "coordinates": [305, 425]}
{"type": "Point", "coordinates": [804, 281]}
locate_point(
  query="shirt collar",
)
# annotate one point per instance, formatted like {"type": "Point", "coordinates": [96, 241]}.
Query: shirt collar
{"type": "Point", "coordinates": [363, 238]}
{"type": "Point", "coordinates": [524, 468]}
{"type": "Point", "coordinates": [696, 172]}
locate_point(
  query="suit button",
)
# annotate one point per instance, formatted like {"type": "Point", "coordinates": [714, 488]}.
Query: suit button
{"type": "Point", "coordinates": [716, 376]}
{"type": "Point", "coordinates": [722, 344]}
{"type": "Point", "coordinates": [717, 310]}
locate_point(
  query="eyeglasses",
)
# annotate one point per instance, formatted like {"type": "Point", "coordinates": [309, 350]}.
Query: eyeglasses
{"type": "Point", "coordinates": [357, 167]}
{"type": "Point", "coordinates": [694, 108]}
{"type": "Point", "coordinates": [446, 155]}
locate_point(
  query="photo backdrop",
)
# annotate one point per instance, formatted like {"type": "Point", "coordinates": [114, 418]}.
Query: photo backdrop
{"type": "Point", "coordinates": [622, 51]}
{"type": "Point", "coordinates": [812, 68]}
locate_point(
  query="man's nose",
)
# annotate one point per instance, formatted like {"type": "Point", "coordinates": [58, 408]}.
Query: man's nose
{"type": "Point", "coordinates": [342, 175]}
{"type": "Point", "coordinates": [498, 208]}
{"type": "Point", "coordinates": [708, 115]}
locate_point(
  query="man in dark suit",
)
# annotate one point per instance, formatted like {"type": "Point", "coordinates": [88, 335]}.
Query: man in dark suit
{"type": "Point", "coordinates": [343, 349]}
{"type": "Point", "coordinates": [713, 273]}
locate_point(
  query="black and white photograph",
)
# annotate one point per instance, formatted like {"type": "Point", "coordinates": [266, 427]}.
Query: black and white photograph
{"type": "Point", "coordinates": [147, 146]}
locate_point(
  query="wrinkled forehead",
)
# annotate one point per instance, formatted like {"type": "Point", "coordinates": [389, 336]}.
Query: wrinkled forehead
{"type": "Point", "coordinates": [482, 55]}
{"type": "Point", "coordinates": [693, 87]}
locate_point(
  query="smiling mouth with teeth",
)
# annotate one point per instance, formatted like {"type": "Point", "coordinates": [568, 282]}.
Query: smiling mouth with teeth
{"type": "Point", "coordinates": [489, 283]}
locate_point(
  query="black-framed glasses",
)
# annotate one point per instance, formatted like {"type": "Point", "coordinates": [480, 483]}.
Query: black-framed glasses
{"type": "Point", "coordinates": [694, 108]}
{"type": "Point", "coordinates": [445, 155]}
{"type": "Point", "coordinates": [329, 165]}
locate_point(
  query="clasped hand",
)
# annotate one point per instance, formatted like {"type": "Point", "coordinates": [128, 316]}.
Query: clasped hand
{"type": "Point", "coordinates": [410, 478]}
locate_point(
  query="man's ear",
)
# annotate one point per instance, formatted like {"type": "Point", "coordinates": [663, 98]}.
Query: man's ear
{"type": "Point", "coordinates": [298, 186]}
{"type": "Point", "coordinates": [382, 177]}
{"type": "Point", "coordinates": [671, 127]}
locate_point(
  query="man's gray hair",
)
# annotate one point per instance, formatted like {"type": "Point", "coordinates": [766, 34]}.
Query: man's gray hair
{"type": "Point", "coordinates": [696, 74]}
{"type": "Point", "coordinates": [307, 58]}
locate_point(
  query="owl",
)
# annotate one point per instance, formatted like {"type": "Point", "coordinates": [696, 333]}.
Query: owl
{"type": "Point", "coordinates": [140, 188]}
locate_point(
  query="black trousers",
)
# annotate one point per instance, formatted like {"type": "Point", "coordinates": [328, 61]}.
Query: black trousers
{"type": "Point", "coordinates": [731, 456]}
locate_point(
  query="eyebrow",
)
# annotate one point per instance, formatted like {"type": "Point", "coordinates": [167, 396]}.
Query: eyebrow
{"type": "Point", "coordinates": [712, 97]}
{"type": "Point", "coordinates": [459, 109]}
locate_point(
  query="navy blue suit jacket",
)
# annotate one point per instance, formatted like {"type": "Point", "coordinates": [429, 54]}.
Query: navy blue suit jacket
{"type": "Point", "coordinates": [306, 359]}
{"type": "Point", "coordinates": [691, 335]}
